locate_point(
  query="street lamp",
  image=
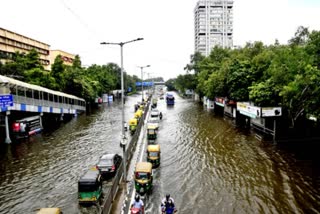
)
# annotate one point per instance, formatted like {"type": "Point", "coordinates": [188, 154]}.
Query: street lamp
{"type": "Point", "coordinates": [141, 67]}
{"type": "Point", "coordinates": [123, 139]}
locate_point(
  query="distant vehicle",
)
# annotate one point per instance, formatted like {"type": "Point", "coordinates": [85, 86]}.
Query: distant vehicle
{"type": "Point", "coordinates": [155, 113]}
{"type": "Point", "coordinates": [170, 99]}
{"type": "Point", "coordinates": [26, 127]}
{"type": "Point", "coordinates": [133, 123]}
{"type": "Point", "coordinates": [154, 121]}
{"type": "Point", "coordinates": [153, 155]}
{"type": "Point", "coordinates": [109, 164]}
{"type": "Point", "coordinates": [151, 133]}
{"type": "Point", "coordinates": [90, 187]}
{"type": "Point", "coordinates": [49, 211]}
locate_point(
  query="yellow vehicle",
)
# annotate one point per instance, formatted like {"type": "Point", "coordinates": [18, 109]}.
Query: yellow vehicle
{"type": "Point", "coordinates": [49, 211]}
{"type": "Point", "coordinates": [138, 114]}
{"type": "Point", "coordinates": [143, 177]}
{"type": "Point", "coordinates": [133, 125]}
{"type": "Point", "coordinates": [151, 133]}
{"type": "Point", "coordinates": [153, 155]}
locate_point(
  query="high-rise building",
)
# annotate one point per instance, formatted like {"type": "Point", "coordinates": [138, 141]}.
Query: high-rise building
{"type": "Point", "coordinates": [213, 20]}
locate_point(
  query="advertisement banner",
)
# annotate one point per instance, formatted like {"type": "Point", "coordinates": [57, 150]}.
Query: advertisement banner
{"type": "Point", "coordinates": [271, 111]}
{"type": "Point", "coordinates": [248, 110]}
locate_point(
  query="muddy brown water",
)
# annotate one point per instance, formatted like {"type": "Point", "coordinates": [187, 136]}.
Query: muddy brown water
{"type": "Point", "coordinates": [207, 165]}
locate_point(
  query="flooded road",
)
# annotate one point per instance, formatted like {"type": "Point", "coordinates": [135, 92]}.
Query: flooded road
{"type": "Point", "coordinates": [44, 171]}
{"type": "Point", "coordinates": [207, 165]}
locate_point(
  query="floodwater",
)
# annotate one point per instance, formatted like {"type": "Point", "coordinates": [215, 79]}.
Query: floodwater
{"type": "Point", "coordinates": [207, 165]}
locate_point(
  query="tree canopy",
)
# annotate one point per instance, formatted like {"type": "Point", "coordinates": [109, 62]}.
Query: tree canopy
{"type": "Point", "coordinates": [268, 75]}
{"type": "Point", "coordinates": [87, 83]}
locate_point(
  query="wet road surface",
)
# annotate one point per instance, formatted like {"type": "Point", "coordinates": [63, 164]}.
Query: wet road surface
{"type": "Point", "coordinates": [207, 165]}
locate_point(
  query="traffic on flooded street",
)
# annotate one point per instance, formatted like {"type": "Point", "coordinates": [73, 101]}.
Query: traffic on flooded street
{"type": "Point", "coordinates": [205, 163]}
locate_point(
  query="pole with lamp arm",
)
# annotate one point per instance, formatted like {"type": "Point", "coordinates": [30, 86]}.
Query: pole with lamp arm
{"type": "Point", "coordinates": [123, 137]}
{"type": "Point", "coordinates": [141, 67]}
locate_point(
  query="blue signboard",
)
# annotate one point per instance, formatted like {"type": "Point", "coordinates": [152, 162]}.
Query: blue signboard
{"type": "Point", "coordinates": [144, 83]}
{"type": "Point", "coordinates": [6, 100]}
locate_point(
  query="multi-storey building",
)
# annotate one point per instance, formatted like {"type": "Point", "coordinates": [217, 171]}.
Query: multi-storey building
{"type": "Point", "coordinates": [11, 42]}
{"type": "Point", "coordinates": [213, 25]}
{"type": "Point", "coordinates": [67, 58]}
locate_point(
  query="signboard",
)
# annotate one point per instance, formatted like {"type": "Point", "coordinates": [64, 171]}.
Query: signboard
{"type": "Point", "coordinates": [144, 83]}
{"type": "Point", "coordinates": [250, 111]}
{"type": "Point", "coordinates": [6, 100]}
{"type": "Point", "coordinates": [271, 111]}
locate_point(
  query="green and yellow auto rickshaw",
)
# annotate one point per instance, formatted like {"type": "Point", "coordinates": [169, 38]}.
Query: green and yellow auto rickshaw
{"type": "Point", "coordinates": [90, 187]}
{"type": "Point", "coordinates": [153, 155]}
{"type": "Point", "coordinates": [138, 114]}
{"type": "Point", "coordinates": [151, 133]}
{"type": "Point", "coordinates": [154, 102]}
{"type": "Point", "coordinates": [133, 125]}
{"type": "Point", "coordinates": [143, 177]}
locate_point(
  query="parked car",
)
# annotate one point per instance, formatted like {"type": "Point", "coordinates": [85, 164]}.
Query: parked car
{"type": "Point", "coordinates": [109, 164]}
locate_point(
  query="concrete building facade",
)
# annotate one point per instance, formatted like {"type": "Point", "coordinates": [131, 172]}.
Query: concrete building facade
{"type": "Point", "coordinates": [11, 42]}
{"type": "Point", "coordinates": [213, 21]}
{"type": "Point", "coordinates": [67, 58]}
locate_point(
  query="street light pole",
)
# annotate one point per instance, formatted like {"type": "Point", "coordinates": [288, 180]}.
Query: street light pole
{"type": "Point", "coordinates": [123, 137]}
{"type": "Point", "coordinates": [141, 67]}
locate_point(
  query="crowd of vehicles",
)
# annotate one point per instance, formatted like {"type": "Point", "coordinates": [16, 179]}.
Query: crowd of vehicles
{"type": "Point", "coordinates": [90, 184]}
{"type": "Point", "coordinates": [143, 173]}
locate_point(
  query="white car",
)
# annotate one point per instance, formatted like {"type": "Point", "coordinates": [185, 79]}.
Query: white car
{"type": "Point", "coordinates": [154, 121]}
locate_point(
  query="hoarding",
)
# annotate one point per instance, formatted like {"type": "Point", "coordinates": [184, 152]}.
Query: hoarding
{"type": "Point", "coordinates": [248, 110]}
{"type": "Point", "coordinates": [271, 111]}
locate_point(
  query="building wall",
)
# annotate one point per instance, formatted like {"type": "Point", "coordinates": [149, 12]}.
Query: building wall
{"type": "Point", "coordinates": [66, 57]}
{"type": "Point", "coordinates": [11, 42]}
{"type": "Point", "coordinates": [213, 20]}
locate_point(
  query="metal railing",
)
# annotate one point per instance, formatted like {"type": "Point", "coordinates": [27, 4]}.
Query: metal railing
{"type": "Point", "coordinates": [46, 103]}
{"type": "Point", "coordinates": [107, 202]}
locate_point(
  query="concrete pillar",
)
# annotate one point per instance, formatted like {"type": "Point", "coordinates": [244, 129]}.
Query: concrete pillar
{"type": "Point", "coordinates": [8, 140]}
{"type": "Point", "coordinates": [41, 114]}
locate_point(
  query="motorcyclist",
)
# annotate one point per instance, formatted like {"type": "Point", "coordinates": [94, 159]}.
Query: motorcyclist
{"type": "Point", "coordinates": [169, 207]}
{"type": "Point", "coordinates": [138, 203]}
{"type": "Point", "coordinates": [165, 201]}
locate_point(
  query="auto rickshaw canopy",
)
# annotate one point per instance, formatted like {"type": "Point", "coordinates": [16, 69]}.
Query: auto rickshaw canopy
{"type": "Point", "coordinates": [49, 211]}
{"type": "Point", "coordinates": [133, 122]}
{"type": "Point", "coordinates": [144, 167]}
{"type": "Point", "coordinates": [138, 113]}
{"type": "Point", "coordinates": [153, 148]}
{"type": "Point", "coordinates": [151, 127]}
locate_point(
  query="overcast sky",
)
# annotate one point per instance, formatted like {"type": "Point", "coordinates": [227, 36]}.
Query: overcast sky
{"type": "Point", "coordinates": [167, 26]}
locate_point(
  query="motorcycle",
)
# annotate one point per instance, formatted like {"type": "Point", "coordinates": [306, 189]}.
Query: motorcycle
{"type": "Point", "coordinates": [135, 210]}
{"type": "Point", "coordinates": [169, 210]}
